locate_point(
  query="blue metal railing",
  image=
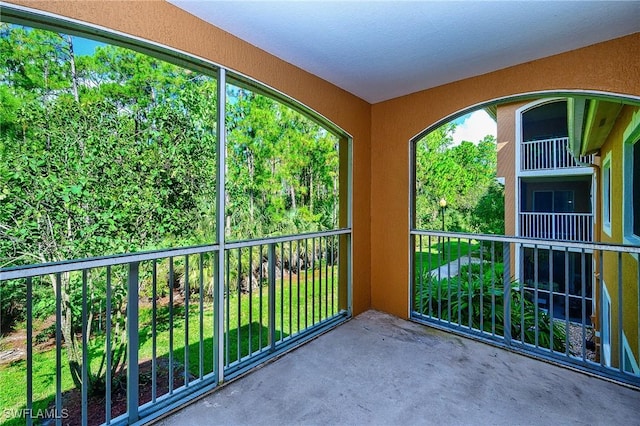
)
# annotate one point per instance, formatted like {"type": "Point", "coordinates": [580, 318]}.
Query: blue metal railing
{"type": "Point", "coordinates": [539, 297]}
{"type": "Point", "coordinates": [144, 324]}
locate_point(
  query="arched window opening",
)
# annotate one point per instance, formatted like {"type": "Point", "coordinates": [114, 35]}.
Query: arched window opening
{"type": "Point", "coordinates": [164, 223]}
{"type": "Point", "coordinates": [528, 268]}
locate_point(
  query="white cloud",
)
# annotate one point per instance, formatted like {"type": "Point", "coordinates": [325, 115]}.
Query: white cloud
{"type": "Point", "coordinates": [474, 128]}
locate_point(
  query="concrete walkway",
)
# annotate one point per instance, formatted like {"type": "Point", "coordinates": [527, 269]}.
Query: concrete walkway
{"type": "Point", "coordinates": [451, 269]}
{"type": "Point", "coordinates": [380, 370]}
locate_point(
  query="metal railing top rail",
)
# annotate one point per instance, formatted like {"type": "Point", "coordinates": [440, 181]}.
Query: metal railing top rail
{"type": "Point", "coordinates": [577, 214]}
{"type": "Point", "coordinates": [533, 141]}
{"type": "Point", "coordinates": [37, 269]}
{"type": "Point", "coordinates": [33, 270]}
{"type": "Point", "coordinates": [286, 238]}
{"type": "Point", "coordinates": [622, 248]}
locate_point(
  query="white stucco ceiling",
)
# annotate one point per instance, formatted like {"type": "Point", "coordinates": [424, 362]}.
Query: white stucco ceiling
{"type": "Point", "coordinates": [379, 50]}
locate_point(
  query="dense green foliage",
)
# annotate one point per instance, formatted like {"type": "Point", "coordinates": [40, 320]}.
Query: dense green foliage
{"type": "Point", "coordinates": [476, 299]}
{"type": "Point", "coordinates": [115, 152]}
{"type": "Point", "coordinates": [101, 154]}
{"type": "Point", "coordinates": [282, 170]}
{"type": "Point", "coordinates": [464, 175]}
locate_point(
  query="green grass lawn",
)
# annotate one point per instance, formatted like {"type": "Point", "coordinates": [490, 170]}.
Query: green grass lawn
{"type": "Point", "coordinates": [246, 328]}
{"type": "Point", "coordinates": [429, 257]}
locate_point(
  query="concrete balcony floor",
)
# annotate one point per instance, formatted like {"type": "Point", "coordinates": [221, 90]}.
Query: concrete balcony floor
{"type": "Point", "coordinates": [379, 369]}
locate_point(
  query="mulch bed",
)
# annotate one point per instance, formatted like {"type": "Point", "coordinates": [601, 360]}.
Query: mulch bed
{"type": "Point", "coordinates": [72, 399]}
{"type": "Point", "coordinates": [576, 342]}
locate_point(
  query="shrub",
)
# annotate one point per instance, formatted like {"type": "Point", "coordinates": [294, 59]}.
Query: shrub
{"type": "Point", "coordinates": [471, 296]}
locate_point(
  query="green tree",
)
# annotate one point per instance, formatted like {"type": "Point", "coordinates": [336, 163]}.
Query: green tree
{"type": "Point", "coordinates": [281, 169]}
{"type": "Point", "coordinates": [488, 215]}
{"type": "Point", "coordinates": [460, 174]}
{"type": "Point", "coordinates": [105, 155]}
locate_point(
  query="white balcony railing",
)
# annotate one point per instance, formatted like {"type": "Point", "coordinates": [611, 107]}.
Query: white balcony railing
{"type": "Point", "coordinates": [550, 154]}
{"type": "Point", "coordinates": [557, 226]}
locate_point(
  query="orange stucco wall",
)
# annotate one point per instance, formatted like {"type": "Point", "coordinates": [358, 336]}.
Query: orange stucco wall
{"type": "Point", "coordinates": [381, 132]}
{"type": "Point", "coordinates": [612, 66]}
{"type": "Point", "coordinates": [506, 161]}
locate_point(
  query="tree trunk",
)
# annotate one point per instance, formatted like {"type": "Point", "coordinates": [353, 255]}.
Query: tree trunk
{"type": "Point", "coordinates": [311, 193]}
{"type": "Point", "coordinates": [250, 163]}
{"type": "Point", "coordinates": [292, 193]}
{"type": "Point", "coordinates": [74, 74]}
{"type": "Point", "coordinates": [72, 345]}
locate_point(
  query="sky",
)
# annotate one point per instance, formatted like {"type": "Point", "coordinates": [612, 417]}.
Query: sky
{"type": "Point", "coordinates": [83, 46]}
{"type": "Point", "coordinates": [474, 127]}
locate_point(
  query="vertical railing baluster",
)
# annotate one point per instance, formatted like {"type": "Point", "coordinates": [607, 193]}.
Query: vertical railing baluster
{"type": "Point", "coordinates": [430, 286]}
{"type": "Point", "coordinates": [201, 308]}
{"type": "Point", "coordinates": [439, 261]}
{"type": "Point", "coordinates": [59, 351]}
{"type": "Point", "coordinates": [470, 286]}
{"type": "Point", "coordinates": [481, 286]}
{"type": "Point", "coordinates": [85, 351]}
{"type": "Point", "coordinates": [154, 330]}
{"type": "Point", "coordinates": [537, 303]}
{"type": "Point", "coordinates": [507, 292]}
{"type": "Point", "coordinates": [552, 294]}
{"type": "Point", "coordinates": [272, 295]}
{"type": "Point", "coordinates": [620, 316]}
{"type": "Point", "coordinates": [336, 254]}
{"type": "Point", "coordinates": [227, 314]}
{"type": "Point", "coordinates": [298, 281]}
{"type": "Point", "coordinates": [566, 302]}
{"type": "Point", "coordinates": [313, 281]}
{"type": "Point", "coordinates": [326, 278]}
{"type": "Point", "coordinates": [449, 278]}
{"type": "Point", "coordinates": [290, 291]}
{"type": "Point", "coordinates": [239, 306]}
{"type": "Point", "coordinates": [260, 314]}
{"type": "Point", "coordinates": [171, 286]}
{"type": "Point", "coordinates": [493, 288]}
{"type": "Point", "coordinates": [459, 287]}
{"type": "Point", "coordinates": [521, 289]}
{"type": "Point", "coordinates": [418, 282]}
{"type": "Point", "coordinates": [28, 413]}
{"type": "Point", "coordinates": [306, 283]}
{"type": "Point", "coordinates": [132, 346]}
{"type": "Point", "coordinates": [250, 322]}
{"type": "Point", "coordinates": [187, 290]}
{"type": "Point", "coordinates": [281, 291]}
{"type": "Point", "coordinates": [109, 354]}
{"type": "Point", "coordinates": [583, 296]}
{"type": "Point", "coordinates": [600, 305]}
